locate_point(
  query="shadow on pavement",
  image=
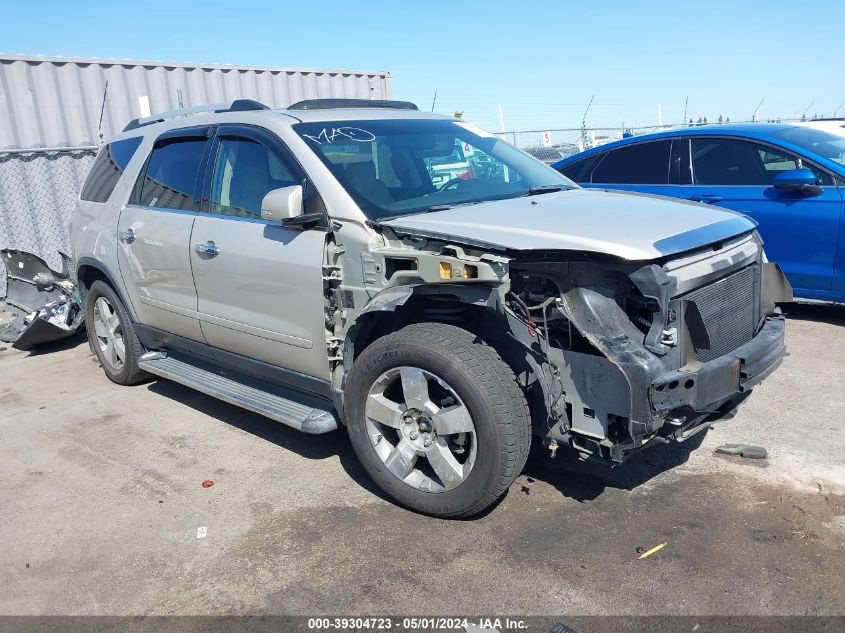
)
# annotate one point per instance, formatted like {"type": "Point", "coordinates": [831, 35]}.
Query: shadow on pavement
{"type": "Point", "coordinates": [76, 339]}
{"type": "Point", "coordinates": [832, 314]}
{"type": "Point", "coordinates": [575, 479]}
{"type": "Point", "coordinates": [315, 447]}
{"type": "Point", "coordinates": [585, 481]}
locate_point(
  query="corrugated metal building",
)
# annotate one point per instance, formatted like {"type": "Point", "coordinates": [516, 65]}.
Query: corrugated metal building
{"type": "Point", "coordinates": [50, 104]}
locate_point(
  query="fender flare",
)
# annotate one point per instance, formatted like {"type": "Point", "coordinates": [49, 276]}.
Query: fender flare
{"type": "Point", "coordinates": [100, 267]}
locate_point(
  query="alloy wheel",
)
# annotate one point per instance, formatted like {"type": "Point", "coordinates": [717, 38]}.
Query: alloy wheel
{"type": "Point", "coordinates": [109, 332]}
{"type": "Point", "coordinates": [421, 429]}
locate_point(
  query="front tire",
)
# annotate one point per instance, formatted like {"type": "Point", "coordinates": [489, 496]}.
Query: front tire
{"type": "Point", "coordinates": [112, 336]}
{"type": "Point", "coordinates": [437, 419]}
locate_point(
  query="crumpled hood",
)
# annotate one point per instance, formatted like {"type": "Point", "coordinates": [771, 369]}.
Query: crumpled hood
{"type": "Point", "coordinates": [632, 226]}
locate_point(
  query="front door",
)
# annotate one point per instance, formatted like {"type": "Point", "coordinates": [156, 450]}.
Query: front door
{"type": "Point", "coordinates": [798, 232]}
{"type": "Point", "coordinates": [259, 285]}
{"type": "Point", "coordinates": [154, 232]}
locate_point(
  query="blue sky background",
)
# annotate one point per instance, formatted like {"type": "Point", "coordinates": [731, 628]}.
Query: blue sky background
{"type": "Point", "coordinates": [541, 61]}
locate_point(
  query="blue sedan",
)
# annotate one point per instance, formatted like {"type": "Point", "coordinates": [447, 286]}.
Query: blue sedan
{"type": "Point", "coordinates": [790, 178]}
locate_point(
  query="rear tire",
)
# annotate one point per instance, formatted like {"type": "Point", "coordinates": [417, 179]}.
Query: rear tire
{"type": "Point", "coordinates": [437, 419]}
{"type": "Point", "coordinates": [111, 335]}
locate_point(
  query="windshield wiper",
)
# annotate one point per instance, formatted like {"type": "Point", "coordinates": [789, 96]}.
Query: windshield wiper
{"type": "Point", "coordinates": [436, 207]}
{"type": "Point", "coordinates": [534, 191]}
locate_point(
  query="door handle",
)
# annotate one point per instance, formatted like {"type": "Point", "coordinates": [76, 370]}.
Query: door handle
{"type": "Point", "coordinates": [710, 199]}
{"type": "Point", "coordinates": [209, 248]}
{"type": "Point", "coordinates": [127, 236]}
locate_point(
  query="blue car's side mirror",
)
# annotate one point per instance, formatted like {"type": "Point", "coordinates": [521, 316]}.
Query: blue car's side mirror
{"type": "Point", "coordinates": [801, 180]}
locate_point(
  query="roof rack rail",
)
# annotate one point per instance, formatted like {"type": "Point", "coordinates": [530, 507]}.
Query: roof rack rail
{"type": "Point", "coordinates": [238, 105]}
{"type": "Point", "coordinates": [330, 104]}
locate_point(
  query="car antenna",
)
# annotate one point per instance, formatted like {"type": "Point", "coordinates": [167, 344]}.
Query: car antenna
{"type": "Point", "coordinates": [102, 112]}
{"type": "Point", "coordinates": [433, 101]}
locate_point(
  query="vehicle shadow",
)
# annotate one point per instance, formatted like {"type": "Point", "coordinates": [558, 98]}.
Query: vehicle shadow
{"type": "Point", "coordinates": [586, 481]}
{"type": "Point", "coordinates": [831, 314]}
{"type": "Point", "coordinates": [74, 340]}
{"type": "Point", "coordinates": [316, 447]}
{"type": "Point", "coordinates": [575, 479]}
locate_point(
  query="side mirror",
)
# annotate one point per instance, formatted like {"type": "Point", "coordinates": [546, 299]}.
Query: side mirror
{"type": "Point", "coordinates": [282, 204]}
{"type": "Point", "coordinates": [801, 180]}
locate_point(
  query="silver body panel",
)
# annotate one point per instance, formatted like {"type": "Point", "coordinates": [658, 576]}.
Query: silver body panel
{"type": "Point", "coordinates": [156, 269]}
{"type": "Point", "coordinates": [261, 297]}
{"type": "Point", "coordinates": [613, 223]}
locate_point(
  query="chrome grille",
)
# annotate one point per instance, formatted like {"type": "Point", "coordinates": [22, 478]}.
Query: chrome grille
{"type": "Point", "coordinates": [720, 316]}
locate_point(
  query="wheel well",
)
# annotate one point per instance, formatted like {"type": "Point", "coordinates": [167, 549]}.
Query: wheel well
{"type": "Point", "coordinates": [418, 309]}
{"type": "Point", "coordinates": [486, 323]}
{"type": "Point", "coordinates": [87, 275]}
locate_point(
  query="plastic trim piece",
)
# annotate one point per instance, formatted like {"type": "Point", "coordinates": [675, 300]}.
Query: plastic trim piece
{"type": "Point", "coordinates": [696, 238]}
{"type": "Point", "coordinates": [332, 104]}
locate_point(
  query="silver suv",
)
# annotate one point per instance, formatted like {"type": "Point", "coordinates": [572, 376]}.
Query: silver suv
{"type": "Point", "coordinates": [306, 264]}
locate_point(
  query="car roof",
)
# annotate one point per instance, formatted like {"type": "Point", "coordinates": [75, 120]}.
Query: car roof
{"type": "Point", "coordinates": [280, 115]}
{"type": "Point", "coordinates": [761, 131]}
{"type": "Point", "coordinates": [359, 114]}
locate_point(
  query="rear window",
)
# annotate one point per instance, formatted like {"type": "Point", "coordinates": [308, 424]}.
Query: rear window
{"type": "Point", "coordinates": [107, 169]}
{"type": "Point", "coordinates": [580, 171]}
{"type": "Point", "coordinates": [641, 164]}
{"type": "Point", "coordinates": [170, 179]}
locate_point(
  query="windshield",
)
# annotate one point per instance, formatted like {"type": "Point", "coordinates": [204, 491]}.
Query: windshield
{"type": "Point", "coordinates": [830, 146]}
{"type": "Point", "coordinates": [397, 167]}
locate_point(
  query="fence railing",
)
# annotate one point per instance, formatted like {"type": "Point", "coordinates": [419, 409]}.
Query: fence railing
{"type": "Point", "coordinates": [38, 188]}
{"type": "Point", "coordinates": [582, 138]}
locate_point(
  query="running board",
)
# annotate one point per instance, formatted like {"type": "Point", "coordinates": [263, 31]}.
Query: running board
{"type": "Point", "coordinates": [301, 412]}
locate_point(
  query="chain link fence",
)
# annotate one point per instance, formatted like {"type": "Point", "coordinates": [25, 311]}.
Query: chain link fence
{"type": "Point", "coordinates": [38, 188]}
{"type": "Point", "coordinates": [562, 142]}
{"type": "Point", "coordinates": [553, 145]}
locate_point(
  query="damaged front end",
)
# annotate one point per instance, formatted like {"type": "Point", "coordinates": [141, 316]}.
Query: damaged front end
{"type": "Point", "coordinates": [42, 305]}
{"type": "Point", "coordinates": [627, 354]}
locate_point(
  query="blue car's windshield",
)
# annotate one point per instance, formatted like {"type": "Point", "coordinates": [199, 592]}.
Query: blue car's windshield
{"type": "Point", "coordinates": [830, 146]}
{"type": "Point", "coordinates": [395, 167]}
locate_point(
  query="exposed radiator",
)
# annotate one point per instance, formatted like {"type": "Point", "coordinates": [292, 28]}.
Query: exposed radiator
{"type": "Point", "coordinates": [721, 316]}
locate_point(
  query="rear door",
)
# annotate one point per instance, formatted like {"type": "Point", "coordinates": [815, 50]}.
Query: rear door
{"type": "Point", "coordinates": [800, 233]}
{"type": "Point", "coordinates": [641, 167]}
{"type": "Point", "coordinates": [259, 284]}
{"type": "Point", "coordinates": [154, 232]}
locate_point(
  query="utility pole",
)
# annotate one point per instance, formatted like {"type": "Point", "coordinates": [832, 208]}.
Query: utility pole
{"type": "Point", "coordinates": [501, 118]}
{"type": "Point", "coordinates": [804, 113]}
{"type": "Point", "coordinates": [584, 123]}
{"type": "Point", "coordinates": [659, 116]}
{"type": "Point", "coordinates": [756, 116]}
{"type": "Point", "coordinates": [686, 101]}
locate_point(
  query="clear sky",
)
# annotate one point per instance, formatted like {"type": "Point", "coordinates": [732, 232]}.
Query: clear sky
{"type": "Point", "coordinates": [541, 61]}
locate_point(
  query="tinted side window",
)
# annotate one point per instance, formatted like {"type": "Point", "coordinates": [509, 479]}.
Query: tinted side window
{"type": "Point", "coordinates": [723, 161]}
{"type": "Point", "coordinates": [244, 172]}
{"type": "Point", "coordinates": [720, 161]}
{"type": "Point", "coordinates": [172, 174]}
{"type": "Point", "coordinates": [107, 169]}
{"type": "Point", "coordinates": [644, 163]}
{"type": "Point", "coordinates": [581, 170]}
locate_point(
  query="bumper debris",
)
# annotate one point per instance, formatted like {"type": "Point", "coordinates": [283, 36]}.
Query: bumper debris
{"type": "Point", "coordinates": [43, 304]}
{"type": "Point", "coordinates": [743, 450]}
